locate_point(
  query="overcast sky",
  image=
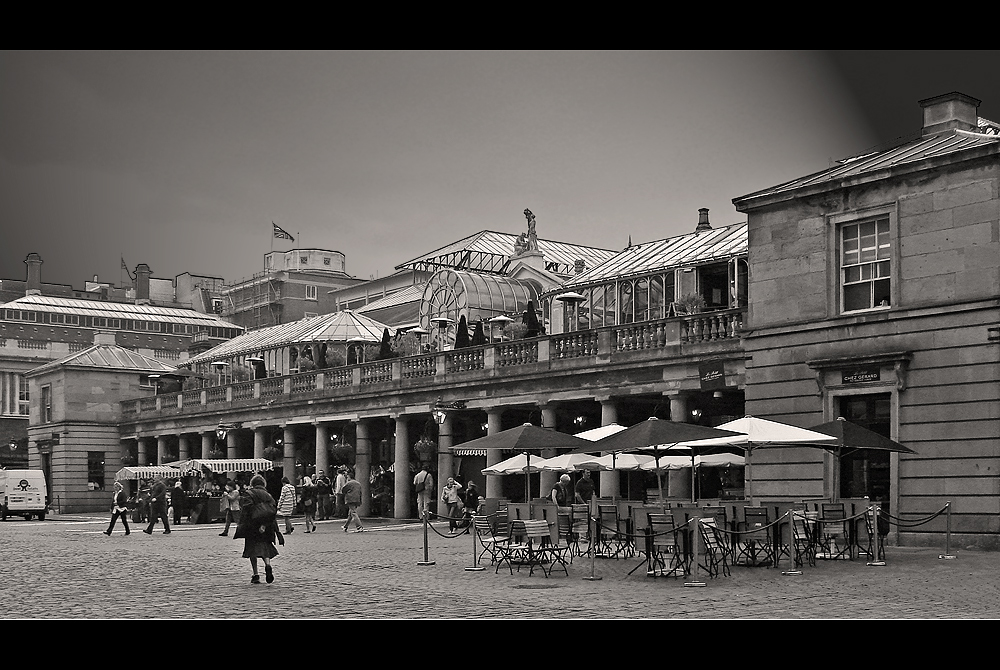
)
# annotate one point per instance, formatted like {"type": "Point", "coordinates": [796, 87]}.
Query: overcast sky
{"type": "Point", "coordinates": [181, 160]}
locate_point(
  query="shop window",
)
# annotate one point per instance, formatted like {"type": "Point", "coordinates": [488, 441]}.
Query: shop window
{"type": "Point", "coordinates": [95, 470]}
{"type": "Point", "coordinates": [865, 264]}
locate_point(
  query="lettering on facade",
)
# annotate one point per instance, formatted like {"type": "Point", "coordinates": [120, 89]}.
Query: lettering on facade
{"type": "Point", "coordinates": [712, 375]}
{"type": "Point", "coordinates": [861, 375]}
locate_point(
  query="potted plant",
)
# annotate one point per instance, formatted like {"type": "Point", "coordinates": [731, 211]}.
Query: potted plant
{"type": "Point", "coordinates": [273, 453]}
{"type": "Point", "coordinates": [692, 303]}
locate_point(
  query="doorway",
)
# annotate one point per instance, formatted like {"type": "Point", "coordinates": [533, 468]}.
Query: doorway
{"type": "Point", "coordinates": [865, 472]}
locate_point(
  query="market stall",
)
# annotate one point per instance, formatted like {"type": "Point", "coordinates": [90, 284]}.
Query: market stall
{"type": "Point", "coordinates": [205, 501]}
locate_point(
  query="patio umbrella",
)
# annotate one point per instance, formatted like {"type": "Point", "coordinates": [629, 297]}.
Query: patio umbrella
{"type": "Point", "coordinates": [521, 464]}
{"type": "Point", "coordinates": [618, 462]}
{"type": "Point", "coordinates": [756, 433]}
{"type": "Point", "coordinates": [525, 438]}
{"type": "Point", "coordinates": [569, 463]}
{"type": "Point", "coordinates": [601, 432]}
{"type": "Point", "coordinates": [658, 435]}
{"type": "Point", "coordinates": [849, 438]}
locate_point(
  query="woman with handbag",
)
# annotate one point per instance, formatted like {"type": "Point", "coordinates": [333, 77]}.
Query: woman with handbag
{"type": "Point", "coordinates": [452, 497]}
{"type": "Point", "coordinates": [308, 497]}
{"type": "Point", "coordinates": [286, 503]}
{"type": "Point", "coordinates": [258, 526]}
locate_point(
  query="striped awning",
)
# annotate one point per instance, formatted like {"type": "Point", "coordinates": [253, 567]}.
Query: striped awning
{"type": "Point", "coordinates": [224, 464]}
{"type": "Point", "coordinates": [468, 452]}
{"type": "Point", "coordinates": [147, 472]}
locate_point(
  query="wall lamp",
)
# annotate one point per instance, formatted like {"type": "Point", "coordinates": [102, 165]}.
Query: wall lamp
{"type": "Point", "coordinates": [440, 411]}
{"type": "Point", "coordinates": [223, 430]}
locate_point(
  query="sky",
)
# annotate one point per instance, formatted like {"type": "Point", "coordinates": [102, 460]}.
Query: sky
{"type": "Point", "coordinates": [181, 160]}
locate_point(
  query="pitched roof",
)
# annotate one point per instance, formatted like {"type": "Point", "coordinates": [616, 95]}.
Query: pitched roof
{"type": "Point", "coordinates": [684, 250]}
{"type": "Point", "coordinates": [107, 357]}
{"type": "Point", "coordinates": [490, 251]}
{"type": "Point", "coordinates": [876, 164]}
{"type": "Point", "coordinates": [116, 310]}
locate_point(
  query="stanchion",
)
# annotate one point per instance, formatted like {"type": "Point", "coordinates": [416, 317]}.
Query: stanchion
{"type": "Point", "coordinates": [593, 549]}
{"type": "Point", "coordinates": [947, 533]}
{"type": "Point", "coordinates": [792, 571]}
{"type": "Point", "coordinates": [695, 572]}
{"type": "Point", "coordinates": [425, 561]}
{"type": "Point", "coordinates": [876, 512]}
{"type": "Point", "coordinates": [475, 567]}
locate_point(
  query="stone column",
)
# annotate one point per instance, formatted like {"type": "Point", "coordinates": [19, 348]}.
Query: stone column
{"type": "Point", "coordinates": [232, 444]}
{"type": "Point", "coordinates": [183, 447]}
{"type": "Point", "coordinates": [678, 481]}
{"type": "Point", "coordinates": [403, 496]}
{"type": "Point", "coordinates": [547, 479]}
{"type": "Point", "coordinates": [142, 448]}
{"type": "Point", "coordinates": [494, 485]}
{"type": "Point", "coordinates": [161, 449]}
{"type": "Point", "coordinates": [323, 448]}
{"type": "Point", "coordinates": [610, 481]}
{"type": "Point", "coordinates": [363, 467]}
{"type": "Point", "coordinates": [207, 439]}
{"type": "Point", "coordinates": [288, 441]}
{"type": "Point", "coordinates": [444, 462]}
{"type": "Point", "coordinates": [259, 441]}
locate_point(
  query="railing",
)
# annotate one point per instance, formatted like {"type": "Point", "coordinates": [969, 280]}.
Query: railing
{"type": "Point", "coordinates": [580, 345]}
{"type": "Point", "coordinates": [376, 373]}
{"type": "Point", "coordinates": [32, 344]}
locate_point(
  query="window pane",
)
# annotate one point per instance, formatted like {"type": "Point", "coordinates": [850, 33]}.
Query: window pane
{"type": "Point", "coordinates": [880, 289]}
{"type": "Point", "coordinates": [656, 298]}
{"type": "Point", "coordinates": [857, 296]}
{"type": "Point", "coordinates": [852, 274]}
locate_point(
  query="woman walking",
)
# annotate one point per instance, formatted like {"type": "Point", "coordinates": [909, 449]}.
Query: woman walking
{"type": "Point", "coordinates": [451, 495]}
{"type": "Point", "coordinates": [119, 508]}
{"type": "Point", "coordinates": [286, 503]}
{"type": "Point", "coordinates": [257, 526]}
{"type": "Point", "coordinates": [309, 504]}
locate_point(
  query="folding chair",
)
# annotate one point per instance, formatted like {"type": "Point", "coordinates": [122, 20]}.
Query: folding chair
{"type": "Point", "coordinates": [581, 527]}
{"type": "Point", "coordinates": [611, 545]}
{"type": "Point", "coordinates": [667, 555]}
{"type": "Point", "coordinates": [716, 552]}
{"type": "Point", "coordinates": [756, 548]}
{"type": "Point", "coordinates": [722, 528]}
{"type": "Point", "coordinates": [804, 526]}
{"type": "Point", "coordinates": [539, 549]}
{"type": "Point", "coordinates": [510, 551]}
{"type": "Point", "coordinates": [565, 523]}
{"type": "Point", "coordinates": [835, 536]}
{"type": "Point", "coordinates": [491, 543]}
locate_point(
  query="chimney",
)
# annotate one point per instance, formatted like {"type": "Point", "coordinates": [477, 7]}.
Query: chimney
{"type": "Point", "coordinates": [579, 266]}
{"type": "Point", "coordinates": [33, 285]}
{"type": "Point", "coordinates": [703, 223]}
{"type": "Point", "coordinates": [106, 337]}
{"type": "Point", "coordinates": [142, 273]}
{"type": "Point", "coordinates": [951, 111]}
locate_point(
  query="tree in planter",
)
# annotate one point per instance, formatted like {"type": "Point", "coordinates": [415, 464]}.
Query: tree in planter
{"type": "Point", "coordinates": [692, 303]}
{"type": "Point", "coordinates": [385, 351]}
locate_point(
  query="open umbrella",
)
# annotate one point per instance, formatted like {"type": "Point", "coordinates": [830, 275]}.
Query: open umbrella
{"type": "Point", "coordinates": [525, 438]}
{"type": "Point", "coordinates": [520, 464]}
{"type": "Point", "coordinates": [658, 435]}
{"type": "Point", "coordinates": [755, 433]}
{"type": "Point", "coordinates": [599, 433]}
{"type": "Point", "coordinates": [569, 463]}
{"type": "Point", "coordinates": [849, 438]}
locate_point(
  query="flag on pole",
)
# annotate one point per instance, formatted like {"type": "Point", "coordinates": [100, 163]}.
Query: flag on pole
{"type": "Point", "coordinates": [280, 233]}
{"type": "Point", "coordinates": [125, 268]}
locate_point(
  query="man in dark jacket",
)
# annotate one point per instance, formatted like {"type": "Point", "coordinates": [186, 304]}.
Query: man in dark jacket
{"type": "Point", "coordinates": [158, 507]}
{"type": "Point", "coordinates": [352, 498]}
{"type": "Point", "coordinates": [324, 491]}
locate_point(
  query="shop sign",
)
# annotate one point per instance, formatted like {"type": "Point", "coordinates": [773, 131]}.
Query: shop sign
{"type": "Point", "coordinates": [861, 375]}
{"type": "Point", "coordinates": [712, 375]}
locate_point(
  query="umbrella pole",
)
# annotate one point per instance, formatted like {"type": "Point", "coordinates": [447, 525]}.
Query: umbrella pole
{"type": "Point", "coordinates": [692, 479]}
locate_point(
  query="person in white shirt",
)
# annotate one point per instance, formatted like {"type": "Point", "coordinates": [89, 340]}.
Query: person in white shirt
{"type": "Point", "coordinates": [338, 491]}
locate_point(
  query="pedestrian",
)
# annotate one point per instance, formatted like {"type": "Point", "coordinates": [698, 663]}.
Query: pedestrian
{"type": "Point", "coordinates": [258, 527]}
{"type": "Point", "coordinates": [286, 503]}
{"type": "Point", "coordinates": [472, 498]}
{"type": "Point", "coordinates": [119, 508]}
{"type": "Point", "coordinates": [178, 500]}
{"type": "Point", "coordinates": [308, 497]}
{"type": "Point", "coordinates": [338, 491]}
{"type": "Point", "coordinates": [230, 505]}
{"type": "Point", "coordinates": [423, 485]}
{"type": "Point", "coordinates": [158, 507]}
{"type": "Point", "coordinates": [352, 498]}
{"type": "Point", "coordinates": [324, 493]}
{"type": "Point", "coordinates": [560, 494]}
{"type": "Point", "coordinates": [451, 496]}
{"type": "Point", "coordinates": [584, 489]}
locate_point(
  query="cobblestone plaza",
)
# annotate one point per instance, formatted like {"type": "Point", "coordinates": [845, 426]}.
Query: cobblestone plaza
{"type": "Point", "coordinates": [65, 567]}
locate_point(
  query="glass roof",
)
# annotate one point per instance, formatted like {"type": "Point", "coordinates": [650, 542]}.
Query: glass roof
{"type": "Point", "coordinates": [116, 310]}
{"type": "Point", "coordinates": [454, 293]}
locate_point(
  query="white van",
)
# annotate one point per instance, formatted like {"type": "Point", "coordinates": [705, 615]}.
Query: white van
{"type": "Point", "coordinates": [23, 494]}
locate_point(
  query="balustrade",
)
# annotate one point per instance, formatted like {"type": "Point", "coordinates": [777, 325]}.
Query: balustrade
{"type": "Point", "coordinates": [215, 395]}
{"type": "Point", "coordinates": [272, 386]}
{"type": "Point", "coordinates": [518, 352]}
{"type": "Point", "coordinates": [147, 404]}
{"type": "Point", "coordinates": [304, 383]}
{"type": "Point", "coordinates": [243, 391]}
{"type": "Point", "coordinates": [418, 366]}
{"type": "Point", "coordinates": [463, 360]}
{"type": "Point", "coordinates": [192, 397]}
{"type": "Point", "coordinates": [376, 373]}
{"type": "Point", "coordinates": [337, 377]}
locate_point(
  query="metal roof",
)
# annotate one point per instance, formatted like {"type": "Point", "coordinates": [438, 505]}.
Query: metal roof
{"type": "Point", "coordinates": [116, 310]}
{"type": "Point", "coordinates": [337, 327]}
{"type": "Point", "coordinates": [108, 357]}
{"type": "Point", "coordinates": [684, 250]}
{"type": "Point", "coordinates": [490, 251]}
{"type": "Point", "coordinates": [409, 294]}
{"type": "Point", "coordinates": [857, 167]}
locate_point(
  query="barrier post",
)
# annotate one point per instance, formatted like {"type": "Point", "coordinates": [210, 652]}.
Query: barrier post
{"type": "Point", "coordinates": [947, 533]}
{"type": "Point", "coordinates": [695, 579]}
{"type": "Point", "coordinates": [876, 512]}
{"type": "Point", "coordinates": [591, 526]}
{"type": "Point", "coordinates": [793, 570]}
{"type": "Point", "coordinates": [425, 561]}
{"type": "Point", "coordinates": [475, 567]}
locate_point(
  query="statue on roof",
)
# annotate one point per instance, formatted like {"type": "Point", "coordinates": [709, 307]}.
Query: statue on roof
{"type": "Point", "coordinates": [532, 240]}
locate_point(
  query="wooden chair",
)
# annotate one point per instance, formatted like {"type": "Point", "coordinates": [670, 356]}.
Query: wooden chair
{"type": "Point", "coordinates": [539, 549]}
{"type": "Point", "coordinates": [581, 527]}
{"type": "Point", "coordinates": [492, 544]}
{"type": "Point", "coordinates": [804, 525]}
{"type": "Point", "coordinates": [609, 537]}
{"type": "Point", "coordinates": [511, 551]}
{"type": "Point", "coordinates": [666, 557]}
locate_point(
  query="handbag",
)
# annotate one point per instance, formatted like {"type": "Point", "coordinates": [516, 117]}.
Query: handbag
{"type": "Point", "coordinates": [419, 486]}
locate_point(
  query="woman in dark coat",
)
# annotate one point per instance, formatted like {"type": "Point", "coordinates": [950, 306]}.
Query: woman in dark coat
{"type": "Point", "coordinates": [257, 530]}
